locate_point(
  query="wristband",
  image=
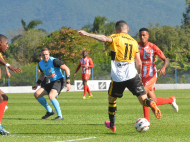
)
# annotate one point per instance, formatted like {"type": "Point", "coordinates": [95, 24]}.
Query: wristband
{"type": "Point", "coordinates": [68, 82]}
{"type": "Point", "coordinates": [67, 76]}
{"type": "Point", "coordinates": [39, 81]}
{"type": "Point", "coordinates": [7, 65]}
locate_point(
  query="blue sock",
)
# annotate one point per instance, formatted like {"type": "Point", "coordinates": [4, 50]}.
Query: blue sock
{"type": "Point", "coordinates": [43, 102]}
{"type": "Point", "coordinates": [57, 107]}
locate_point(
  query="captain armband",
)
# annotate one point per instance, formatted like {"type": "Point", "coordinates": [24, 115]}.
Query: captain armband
{"type": "Point", "coordinates": [67, 76]}
{"type": "Point", "coordinates": [39, 81]}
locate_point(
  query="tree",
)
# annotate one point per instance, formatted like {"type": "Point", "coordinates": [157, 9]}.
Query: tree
{"type": "Point", "coordinates": [24, 50]}
{"type": "Point", "coordinates": [186, 15]}
{"type": "Point", "coordinates": [101, 25]}
{"type": "Point", "coordinates": [67, 45]}
{"type": "Point", "coordinates": [31, 25]}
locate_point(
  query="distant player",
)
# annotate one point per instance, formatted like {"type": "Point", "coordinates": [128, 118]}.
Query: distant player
{"type": "Point", "coordinates": [52, 68]}
{"type": "Point", "coordinates": [3, 97]}
{"type": "Point", "coordinates": [148, 51]}
{"type": "Point", "coordinates": [86, 64]}
{"type": "Point", "coordinates": [124, 54]}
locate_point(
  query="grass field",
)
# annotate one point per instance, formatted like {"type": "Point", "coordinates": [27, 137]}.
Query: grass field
{"type": "Point", "coordinates": [84, 119]}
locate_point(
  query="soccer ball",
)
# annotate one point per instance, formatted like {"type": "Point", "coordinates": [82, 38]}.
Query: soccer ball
{"type": "Point", "coordinates": [142, 125]}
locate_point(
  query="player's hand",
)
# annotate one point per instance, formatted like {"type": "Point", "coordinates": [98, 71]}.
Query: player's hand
{"type": "Point", "coordinates": [8, 74]}
{"type": "Point", "coordinates": [68, 86]}
{"type": "Point", "coordinates": [83, 33]}
{"type": "Point", "coordinates": [74, 75]}
{"type": "Point", "coordinates": [162, 71]}
{"type": "Point", "coordinates": [34, 87]}
{"type": "Point", "coordinates": [15, 69]}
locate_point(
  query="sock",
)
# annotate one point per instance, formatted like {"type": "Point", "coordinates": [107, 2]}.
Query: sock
{"type": "Point", "coordinates": [146, 102]}
{"type": "Point", "coordinates": [57, 107]}
{"type": "Point", "coordinates": [2, 108]}
{"type": "Point", "coordinates": [162, 101]}
{"type": "Point", "coordinates": [88, 90]}
{"type": "Point", "coordinates": [44, 103]}
{"type": "Point", "coordinates": [112, 109]}
{"type": "Point", "coordinates": [146, 112]}
{"type": "Point", "coordinates": [85, 89]}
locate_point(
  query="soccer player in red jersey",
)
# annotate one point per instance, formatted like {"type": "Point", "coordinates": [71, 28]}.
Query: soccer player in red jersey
{"type": "Point", "coordinates": [3, 97]}
{"type": "Point", "coordinates": [148, 51]}
{"type": "Point", "coordinates": [86, 64]}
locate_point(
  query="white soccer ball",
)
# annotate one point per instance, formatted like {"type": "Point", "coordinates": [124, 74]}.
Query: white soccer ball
{"type": "Point", "coordinates": [142, 125]}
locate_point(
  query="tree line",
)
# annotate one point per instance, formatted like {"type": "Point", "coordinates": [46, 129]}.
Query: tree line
{"type": "Point", "coordinates": [67, 45]}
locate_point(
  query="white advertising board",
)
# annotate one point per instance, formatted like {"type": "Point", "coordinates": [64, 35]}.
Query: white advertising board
{"type": "Point", "coordinates": [94, 85]}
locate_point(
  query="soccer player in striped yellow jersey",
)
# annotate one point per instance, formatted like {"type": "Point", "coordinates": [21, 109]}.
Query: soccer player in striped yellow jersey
{"type": "Point", "coordinates": [124, 54]}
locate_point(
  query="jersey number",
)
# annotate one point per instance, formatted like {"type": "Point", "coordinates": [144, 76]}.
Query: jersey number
{"type": "Point", "coordinates": [126, 50]}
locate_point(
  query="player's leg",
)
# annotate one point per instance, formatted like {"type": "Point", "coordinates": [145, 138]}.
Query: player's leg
{"type": "Point", "coordinates": [159, 101]}
{"type": "Point", "coordinates": [136, 87]}
{"type": "Point", "coordinates": [39, 97]}
{"type": "Point", "coordinates": [145, 108]}
{"type": "Point", "coordinates": [52, 96]}
{"type": "Point", "coordinates": [115, 91]}
{"type": "Point", "coordinates": [85, 87]}
{"type": "Point", "coordinates": [3, 100]}
{"type": "Point", "coordinates": [86, 78]}
{"type": "Point", "coordinates": [57, 86]}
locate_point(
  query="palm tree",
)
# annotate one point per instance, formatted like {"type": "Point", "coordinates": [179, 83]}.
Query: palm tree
{"type": "Point", "coordinates": [31, 25]}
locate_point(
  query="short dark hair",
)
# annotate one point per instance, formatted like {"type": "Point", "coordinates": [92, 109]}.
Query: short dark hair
{"type": "Point", "coordinates": [2, 37]}
{"type": "Point", "coordinates": [143, 29]}
{"type": "Point", "coordinates": [120, 24]}
{"type": "Point", "coordinates": [44, 49]}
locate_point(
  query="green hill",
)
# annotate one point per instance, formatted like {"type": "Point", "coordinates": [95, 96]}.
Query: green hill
{"type": "Point", "coordinates": [77, 13]}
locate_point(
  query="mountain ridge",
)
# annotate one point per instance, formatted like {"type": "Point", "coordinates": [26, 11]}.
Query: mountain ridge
{"type": "Point", "coordinates": [76, 14]}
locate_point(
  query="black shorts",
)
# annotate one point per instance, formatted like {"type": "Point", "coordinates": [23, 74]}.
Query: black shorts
{"type": "Point", "coordinates": [45, 81]}
{"type": "Point", "coordinates": [134, 85]}
{"type": "Point", "coordinates": [57, 85]}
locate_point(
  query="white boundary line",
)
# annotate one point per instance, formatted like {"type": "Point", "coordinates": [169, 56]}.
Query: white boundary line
{"type": "Point", "coordinates": [78, 139]}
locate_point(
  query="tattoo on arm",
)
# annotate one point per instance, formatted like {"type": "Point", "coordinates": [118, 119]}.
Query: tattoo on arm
{"type": "Point", "coordinates": [100, 37]}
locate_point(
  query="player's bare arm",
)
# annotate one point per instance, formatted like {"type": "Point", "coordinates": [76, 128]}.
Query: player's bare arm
{"type": "Point", "coordinates": [67, 71]}
{"type": "Point", "coordinates": [163, 69]}
{"type": "Point", "coordinates": [40, 79]}
{"type": "Point", "coordinates": [102, 38]}
{"type": "Point", "coordinates": [14, 69]}
{"type": "Point", "coordinates": [138, 63]}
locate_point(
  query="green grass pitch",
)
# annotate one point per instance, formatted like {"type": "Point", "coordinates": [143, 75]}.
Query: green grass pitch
{"type": "Point", "coordinates": [84, 119]}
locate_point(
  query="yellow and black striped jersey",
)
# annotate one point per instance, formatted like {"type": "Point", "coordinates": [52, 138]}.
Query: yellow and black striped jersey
{"type": "Point", "coordinates": [123, 51]}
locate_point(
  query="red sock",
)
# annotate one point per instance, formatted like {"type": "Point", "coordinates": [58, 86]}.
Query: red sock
{"type": "Point", "coordinates": [85, 89]}
{"type": "Point", "coordinates": [162, 101]}
{"type": "Point", "coordinates": [2, 109]}
{"type": "Point", "coordinates": [146, 112]}
{"type": "Point", "coordinates": [88, 90]}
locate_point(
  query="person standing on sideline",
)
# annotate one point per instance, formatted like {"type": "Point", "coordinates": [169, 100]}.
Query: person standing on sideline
{"type": "Point", "coordinates": [51, 67]}
{"type": "Point", "coordinates": [86, 64]}
{"type": "Point", "coordinates": [3, 97]}
{"type": "Point", "coordinates": [148, 51]}
{"type": "Point", "coordinates": [124, 51]}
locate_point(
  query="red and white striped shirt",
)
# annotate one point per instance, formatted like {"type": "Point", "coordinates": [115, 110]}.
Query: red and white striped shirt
{"type": "Point", "coordinates": [87, 61]}
{"type": "Point", "coordinates": [147, 55]}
